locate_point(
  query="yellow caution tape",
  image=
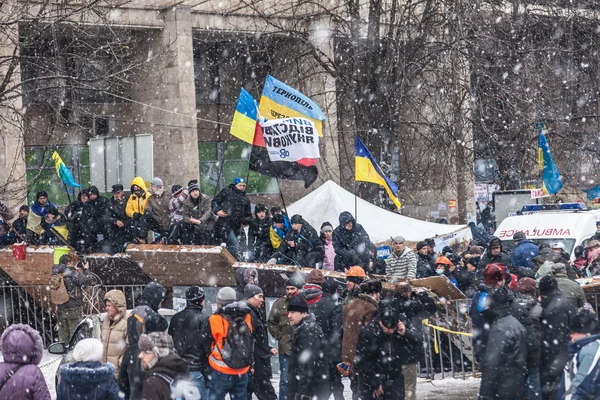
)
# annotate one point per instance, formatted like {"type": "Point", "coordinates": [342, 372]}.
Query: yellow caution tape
{"type": "Point", "coordinates": [442, 329]}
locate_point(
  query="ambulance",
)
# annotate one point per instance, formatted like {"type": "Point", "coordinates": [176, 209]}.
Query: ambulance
{"type": "Point", "coordinates": [571, 223]}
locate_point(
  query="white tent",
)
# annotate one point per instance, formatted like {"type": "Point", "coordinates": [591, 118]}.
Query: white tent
{"type": "Point", "coordinates": [329, 200]}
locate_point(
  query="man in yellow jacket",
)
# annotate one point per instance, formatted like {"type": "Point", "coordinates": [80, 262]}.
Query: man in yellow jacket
{"type": "Point", "coordinates": [136, 205]}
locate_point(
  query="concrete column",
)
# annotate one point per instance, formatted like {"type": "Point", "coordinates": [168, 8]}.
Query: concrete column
{"type": "Point", "coordinates": [322, 89]}
{"type": "Point", "coordinates": [13, 184]}
{"type": "Point", "coordinates": [168, 94]}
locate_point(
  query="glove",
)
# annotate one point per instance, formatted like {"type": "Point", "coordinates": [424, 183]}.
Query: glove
{"type": "Point", "coordinates": [137, 216]}
{"type": "Point", "coordinates": [344, 369]}
{"type": "Point", "coordinates": [272, 261]}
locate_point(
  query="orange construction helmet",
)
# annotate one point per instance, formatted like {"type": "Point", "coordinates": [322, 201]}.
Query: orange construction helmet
{"type": "Point", "coordinates": [357, 272]}
{"type": "Point", "coordinates": [443, 260]}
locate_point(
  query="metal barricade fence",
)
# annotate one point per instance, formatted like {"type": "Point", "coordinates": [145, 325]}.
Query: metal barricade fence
{"type": "Point", "coordinates": [446, 350]}
{"type": "Point", "coordinates": [31, 305]}
{"type": "Point", "coordinates": [448, 346]}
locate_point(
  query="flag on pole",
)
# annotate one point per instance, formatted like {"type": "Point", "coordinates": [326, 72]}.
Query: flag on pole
{"type": "Point", "coordinates": [245, 117]}
{"type": "Point", "coordinates": [551, 179]}
{"type": "Point", "coordinates": [63, 172]}
{"type": "Point", "coordinates": [245, 125]}
{"type": "Point", "coordinates": [367, 170]}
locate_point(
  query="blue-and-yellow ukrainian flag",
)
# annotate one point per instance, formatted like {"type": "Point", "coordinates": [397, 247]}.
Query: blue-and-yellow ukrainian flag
{"type": "Point", "coordinates": [245, 117]}
{"type": "Point", "coordinates": [551, 179]}
{"type": "Point", "coordinates": [367, 170]}
{"type": "Point", "coordinates": [63, 172]}
{"type": "Point", "coordinates": [279, 100]}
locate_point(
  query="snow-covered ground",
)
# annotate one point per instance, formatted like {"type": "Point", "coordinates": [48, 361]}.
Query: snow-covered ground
{"type": "Point", "coordinates": [446, 389]}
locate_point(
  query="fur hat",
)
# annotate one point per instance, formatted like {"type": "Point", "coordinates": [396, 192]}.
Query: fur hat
{"type": "Point", "coordinates": [316, 276]}
{"type": "Point", "coordinates": [494, 273]}
{"type": "Point", "coordinates": [160, 343]}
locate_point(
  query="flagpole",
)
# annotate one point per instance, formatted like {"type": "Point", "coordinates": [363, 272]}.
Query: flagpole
{"type": "Point", "coordinates": [355, 202]}
{"type": "Point", "coordinates": [67, 190]}
{"type": "Point", "coordinates": [281, 195]}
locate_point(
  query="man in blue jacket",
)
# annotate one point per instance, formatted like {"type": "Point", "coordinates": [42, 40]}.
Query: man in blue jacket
{"type": "Point", "coordinates": [523, 252]}
{"type": "Point", "coordinates": [581, 378]}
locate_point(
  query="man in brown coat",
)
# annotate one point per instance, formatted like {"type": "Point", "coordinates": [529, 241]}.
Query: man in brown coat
{"type": "Point", "coordinates": [198, 218]}
{"type": "Point", "coordinates": [114, 329]}
{"type": "Point", "coordinates": [357, 314]}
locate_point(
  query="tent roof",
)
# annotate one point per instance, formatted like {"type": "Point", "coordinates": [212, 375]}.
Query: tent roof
{"type": "Point", "coordinates": [329, 200]}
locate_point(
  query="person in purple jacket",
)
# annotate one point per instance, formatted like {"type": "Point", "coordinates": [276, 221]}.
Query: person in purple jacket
{"type": "Point", "coordinates": [22, 350]}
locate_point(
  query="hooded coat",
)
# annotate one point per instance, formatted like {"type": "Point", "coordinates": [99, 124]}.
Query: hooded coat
{"type": "Point", "coordinates": [489, 258]}
{"type": "Point", "coordinates": [308, 373]}
{"type": "Point", "coordinates": [137, 205]}
{"type": "Point", "coordinates": [22, 345]}
{"type": "Point", "coordinates": [351, 246]}
{"type": "Point", "coordinates": [114, 332]}
{"type": "Point", "coordinates": [504, 362]}
{"type": "Point", "coordinates": [88, 381]}
{"type": "Point", "coordinates": [155, 387]}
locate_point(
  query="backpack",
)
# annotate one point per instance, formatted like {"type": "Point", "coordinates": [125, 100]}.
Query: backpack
{"type": "Point", "coordinates": [238, 347]}
{"type": "Point", "coordinates": [181, 389]}
{"type": "Point", "coordinates": [58, 290]}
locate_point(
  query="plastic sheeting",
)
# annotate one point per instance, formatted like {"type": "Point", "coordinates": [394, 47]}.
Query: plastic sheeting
{"type": "Point", "coordinates": [329, 200]}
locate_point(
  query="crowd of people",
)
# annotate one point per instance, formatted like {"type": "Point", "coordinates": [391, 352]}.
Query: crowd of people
{"type": "Point", "coordinates": [534, 334]}
{"type": "Point", "coordinates": [532, 340]}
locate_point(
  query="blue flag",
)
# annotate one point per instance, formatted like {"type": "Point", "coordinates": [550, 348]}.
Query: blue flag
{"type": "Point", "coordinates": [551, 179]}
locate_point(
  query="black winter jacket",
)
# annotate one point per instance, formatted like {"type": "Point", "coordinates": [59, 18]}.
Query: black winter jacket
{"type": "Point", "coordinates": [424, 269]}
{"type": "Point", "coordinates": [262, 349]}
{"type": "Point", "coordinates": [351, 245]}
{"type": "Point", "coordinates": [186, 330]}
{"type": "Point", "coordinates": [415, 308]}
{"type": "Point", "coordinates": [504, 365]}
{"type": "Point", "coordinates": [379, 356]}
{"type": "Point", "coordinates": [237, 206]}
{"type": "Point", "coordinates": [308, 368]}
{"type": "Point", "coordinates": [306, 240]}
{"type": "Point", "coordinates": [557, 313]}
{"type": "Point", "coordinates": [259, 239]}
{"type": "Point", "coordinates": [329, 316]}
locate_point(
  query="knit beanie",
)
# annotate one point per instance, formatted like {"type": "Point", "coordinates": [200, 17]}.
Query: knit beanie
{"type": "Point", "coordinates": [548, 284]}
{"type": "Point", "coordinates": [155, 323]}
{"type": "Point", "coordinates": [297, 219]}
{"type": "Point", "coordinates": [157, 182]}
{"type": "Point", "coordinates": [88, 350]}
{"type": "Point", "coordinates": [226, 296]}
{"type": "Point", "coordinates": [295, 280]}
{"type": "Point", "coordinates": [194, 294]}
{"type": "Point", "coordinates": [251, 290]}
{"type": "Point", "coordinates": [316, 276]}
{"type": "Point", "coordinates": [192, 187]}
{"type": "Point", "coordinates": [298, 303]}
{"type": "Point", "coordinates": [326, 227]}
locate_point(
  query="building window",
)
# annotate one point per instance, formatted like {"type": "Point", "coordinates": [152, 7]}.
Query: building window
{"type": "Point", "coordinates": [234, 158]}
{"type": "Point", "coordinates": [41, 174]}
